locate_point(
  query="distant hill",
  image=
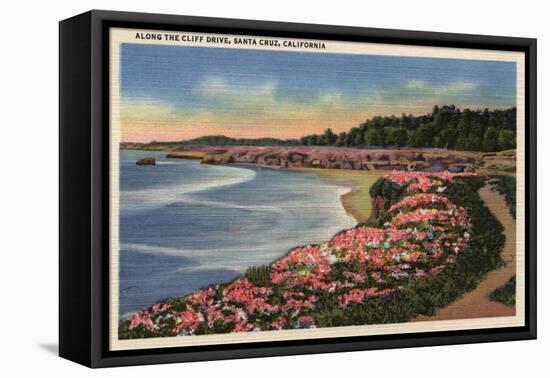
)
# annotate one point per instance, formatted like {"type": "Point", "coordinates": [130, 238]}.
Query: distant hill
{"type": "Point", "coordinates": [222, 140]}
{"type": "Point", "coordinates": [212, 140]}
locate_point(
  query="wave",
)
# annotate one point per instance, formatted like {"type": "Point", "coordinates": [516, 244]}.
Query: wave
{"type": "Point", "coordinates": [172, 193]}
{"type": "Point", "coordinates": [180, 252]}
{"type": "Point", "coordinates": [166, 162]}
{"type": "Point", "coordinates": [226, 205]}
{"type": "Point", "coordinates": [234, 258]}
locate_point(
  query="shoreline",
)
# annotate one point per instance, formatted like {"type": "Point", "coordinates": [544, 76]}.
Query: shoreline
{"type": "Point", "coordinates": [283, 274]}
{"type": "Point", "coordinates": [342, 190]}
{"type": "Point", "coordinates": [358, 183]}
{"type": "Point", "coordinates": [357, 201]}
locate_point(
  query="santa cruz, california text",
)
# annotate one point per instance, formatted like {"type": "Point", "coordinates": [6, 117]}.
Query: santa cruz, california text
{"type": "Point", "coordinates": [240, 41]}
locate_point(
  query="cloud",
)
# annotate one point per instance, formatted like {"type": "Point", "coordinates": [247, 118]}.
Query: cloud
{"type": "Point", "coordinates": [238, 110]}
{"type": "Point", "coordinates": [216, 93]}
{"type": "Point", "coordinates": [419, 96]}
{"type": "Point", "coordinates": [455, 88]}
{"type": "Point", "coordinates": [217, 87]}
{"type": "Point", "coordinates": [146, 109]}
{"type": "Point", "coordinates": [242, 108]}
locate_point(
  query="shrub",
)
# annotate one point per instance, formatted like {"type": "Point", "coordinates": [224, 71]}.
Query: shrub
{"type": "Point", "coordinates": [506, 293]}
{"type": "Point", "coordinates": [506, 185]}
{"type": "Point", "coordinates": [259, 275]}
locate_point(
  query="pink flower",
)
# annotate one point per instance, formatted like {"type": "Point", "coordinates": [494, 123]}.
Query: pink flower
{"type": "Point", "coordinates": [255, 298]}
{"type": "Point", "coordinates": [297, 301]}
{"type": "Point", "coordinates": [359, 295]}
{"type": "Point", "coordinates": [423, 181]}
{"type": "Point", "coordinates": [201, 298]}
{"type": "Point", "coordinates": [243, 327]}
{"type": "Point", "coordinates": [304, 266]}
{"type": "Point", "coordinates": [161, 307]}
{"type": "Point", "coordinates": [278, 323]}
{"type": "Point", "coordinates": [305, 322]}
{"type": "Point", "coordinates": [424, 200]}
{"type": "Point", "coordinates": [187, 322]}
{"type": "Point", "coordinates": [142, 319]}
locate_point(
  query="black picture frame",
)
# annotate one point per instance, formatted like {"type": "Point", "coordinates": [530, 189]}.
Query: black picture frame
{"type": "Point", "coordinates": [84, 188]}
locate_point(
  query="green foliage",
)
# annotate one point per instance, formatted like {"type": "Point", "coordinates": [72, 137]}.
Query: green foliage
{"type": "Point", "coordinates": [446, 127]}
{"type": "Point", "coordinates": [506, 185]}
{"type": "Point", "coordinates": [328, 138]}
{"type": "Point", "coordinates": [376, 137]}
{"type": "Point", "coordinates": [426, 295]}
{"type": "Point", "coordinates": [389, 192]}
{"type": "Point", "coordinates": [259, 275]}
{"type": "Point", "coordinates": [506, 140]}
{"type": "Point", "coordinates": [506, 293]}
{"type": "Point", "coordinates": [397, 137]}
{"type": "Point", "coordinates": [490, 139]}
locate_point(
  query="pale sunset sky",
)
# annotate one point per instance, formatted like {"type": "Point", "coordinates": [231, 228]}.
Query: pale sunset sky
{"type": "Point", "coordinates": [171, 93]}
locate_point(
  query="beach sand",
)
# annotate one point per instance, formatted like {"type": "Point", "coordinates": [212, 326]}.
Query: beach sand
{"type": "Point", "coordinates": [357, 202]}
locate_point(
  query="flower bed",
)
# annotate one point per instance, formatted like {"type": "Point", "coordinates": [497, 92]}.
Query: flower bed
{"type": "Point", "coordinates": [420, 258]}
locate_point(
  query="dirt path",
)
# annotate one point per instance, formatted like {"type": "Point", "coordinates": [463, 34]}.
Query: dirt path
{"type": "Point", "coordinates": [476, 303]}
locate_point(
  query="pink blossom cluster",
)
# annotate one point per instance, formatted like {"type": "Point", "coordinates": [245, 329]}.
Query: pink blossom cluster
{"type": "Point", "coordinates": [357, 295]}
{"type": "Point", "coordinates": [304, 266]}
{"type": "Point", "coordinates": [424, 200]}
{"type": "Point", "coordinates": [254, 298]}
{"type": "Point", "coordinates": [142, 319]}
{"type": "Point", "coordinates": [423, 181]}
{"type": "Point", "coordinates": [430, 217]}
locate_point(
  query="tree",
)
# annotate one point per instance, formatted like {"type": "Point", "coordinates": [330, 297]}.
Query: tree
{"type": "Point", "coordinates": [358, 139]}
{"type": "Point", "coordinates": [423, 136]}
{"type": "Point", "coordinates": [461, 142]}
{"type": "Point", "coordinates": [375, 137]}
{"type": "Point", "coordinates": [506, 140]}
{"type": "Point", "coordinates": [355, 137]}
{"type": "Point", "coordinates": [490, 140]}
{"type": "Point", "coordinates": [328, 138]}
{"type": "Point", "coordinates": [341, 140]}
{"type": "Point", "coordinates": [473, 142]}
{"type": "Point", "coordinates": [397, 137]}
{"type": "Point", "coordinates": [444, 127]}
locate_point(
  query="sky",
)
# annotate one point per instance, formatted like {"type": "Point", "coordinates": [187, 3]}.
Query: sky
{"type": "Point", "coordinates": [173, 93]}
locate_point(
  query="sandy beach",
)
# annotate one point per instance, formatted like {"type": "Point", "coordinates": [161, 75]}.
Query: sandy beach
{"type": "Point", "coordinates": [357, 202]}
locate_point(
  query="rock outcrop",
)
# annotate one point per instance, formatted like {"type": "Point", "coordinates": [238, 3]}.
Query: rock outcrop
{"type": "Point", "coordinates": [146, 161]}
{"type": "Point", "coordinates": [335, 158]}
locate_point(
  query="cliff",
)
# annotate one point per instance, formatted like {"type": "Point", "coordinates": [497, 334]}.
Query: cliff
{"type": "Point", "coordinates": [336, 158]}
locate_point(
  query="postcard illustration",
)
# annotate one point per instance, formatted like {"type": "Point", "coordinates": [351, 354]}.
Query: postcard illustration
{"type": "Point", "coordinates": [267, 189]}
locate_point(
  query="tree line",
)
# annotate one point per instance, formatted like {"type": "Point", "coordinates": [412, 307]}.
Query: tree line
{"type": "Point", "coordinates": [445, 127]}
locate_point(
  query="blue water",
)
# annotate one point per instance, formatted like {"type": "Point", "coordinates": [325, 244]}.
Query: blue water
{"type": "Point", "coordinates": [184, 225]}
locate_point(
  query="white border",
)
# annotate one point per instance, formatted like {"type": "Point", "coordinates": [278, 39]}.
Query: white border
{"type": "Point", "coordinates": [118, 36]}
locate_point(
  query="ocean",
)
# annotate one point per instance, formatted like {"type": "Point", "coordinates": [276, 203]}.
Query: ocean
{"type": "Point", "coordinates": [185, 225]}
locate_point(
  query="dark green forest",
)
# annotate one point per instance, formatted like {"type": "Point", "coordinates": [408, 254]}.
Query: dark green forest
{"type": "Point", "coordinates": [445, 127]}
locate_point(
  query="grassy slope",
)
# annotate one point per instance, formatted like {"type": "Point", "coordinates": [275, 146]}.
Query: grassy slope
{"type": "Point", "coordinates": [506, 293]}
{"type": "Point", "coordinates": [506, 185]}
